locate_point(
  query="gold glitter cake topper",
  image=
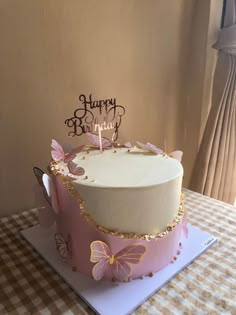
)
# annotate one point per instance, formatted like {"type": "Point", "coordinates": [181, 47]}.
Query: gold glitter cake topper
{"type": "Point", "coordinates": [96, 115]}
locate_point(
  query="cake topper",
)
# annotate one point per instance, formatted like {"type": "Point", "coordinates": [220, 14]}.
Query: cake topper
{"type": "Point", "coordinates": [96, 116]}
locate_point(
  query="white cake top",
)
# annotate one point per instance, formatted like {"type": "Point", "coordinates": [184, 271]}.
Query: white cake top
{"type": "Point", "coordinates": [120, 168]}
{"type": "Point", "coordinates": [126, 190]}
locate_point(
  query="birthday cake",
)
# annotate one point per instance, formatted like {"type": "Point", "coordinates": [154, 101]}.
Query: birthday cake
{"type": "Point", "coordinates": [118, 212]}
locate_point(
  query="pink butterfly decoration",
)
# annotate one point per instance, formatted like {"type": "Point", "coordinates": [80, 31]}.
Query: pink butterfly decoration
{"type": "Point", "coordinates": [128, 145]}
{"type": "Point", "coordinates": [118, 264]}
{"type": "Point", "coordinates": [39, 176]}
{"type": "Point", "coordinates": [184, 226]}
{"type": "Point", "coordinates": [149, 147]}
{"type": "Point", "coordinates": [94, 139]}
{"type": "Point", "coordinates": [48, 213]}
{"type": "Point", "coordinates": [64, 247]}
{"type": "Point", "coordinates": [58, 153]}
{"type": "Point", "coordinates": [75, 169]}
{"type": "Point", "coordinates": [176, 155]}
{"type": "Point", "coordinates": [51, 191]}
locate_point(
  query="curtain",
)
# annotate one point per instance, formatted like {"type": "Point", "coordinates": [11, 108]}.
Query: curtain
{"type": "Point", "coordinates": [214, 172]}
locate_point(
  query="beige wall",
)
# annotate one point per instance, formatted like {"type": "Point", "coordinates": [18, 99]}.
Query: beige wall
{"type": "Point", "coordinates": [52, 51]}
{"type": "Point", "coordinates": [197, 78]}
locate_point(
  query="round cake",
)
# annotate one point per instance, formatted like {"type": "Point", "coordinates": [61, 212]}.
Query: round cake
{"type": "Point", "coordinates": [129, 190]}
{"type": "Point", "coordinates": [119, 213]}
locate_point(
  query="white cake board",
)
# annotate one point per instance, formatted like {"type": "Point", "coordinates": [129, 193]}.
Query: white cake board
{"type": "Point", "coordinates": [108, 298]}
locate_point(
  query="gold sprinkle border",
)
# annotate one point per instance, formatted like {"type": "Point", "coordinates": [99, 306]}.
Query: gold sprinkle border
{"type": "Point", "coordinates": [67, 182]}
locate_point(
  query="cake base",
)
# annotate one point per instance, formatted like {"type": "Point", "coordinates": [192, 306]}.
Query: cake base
{"type": "Point", "coordinates": [115, 298]}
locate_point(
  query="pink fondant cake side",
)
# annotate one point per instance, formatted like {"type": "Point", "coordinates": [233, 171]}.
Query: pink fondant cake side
{"type": "Point", "coordinates": [72, 226]}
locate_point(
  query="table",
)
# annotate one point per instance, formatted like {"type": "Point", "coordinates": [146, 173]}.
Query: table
{"type": "Point", "coordinates": [28, 285]}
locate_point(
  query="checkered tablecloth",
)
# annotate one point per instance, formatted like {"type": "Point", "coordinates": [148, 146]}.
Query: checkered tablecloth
{"type": "Point", "coordinates": [28, 285]}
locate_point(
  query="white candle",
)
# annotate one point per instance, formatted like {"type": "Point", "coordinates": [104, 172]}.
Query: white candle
{"type": "Point", "coordinates": [100, 139]}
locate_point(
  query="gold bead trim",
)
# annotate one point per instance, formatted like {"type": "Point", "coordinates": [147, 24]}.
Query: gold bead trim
{"type": "Point", "coordinates": [73, 192]}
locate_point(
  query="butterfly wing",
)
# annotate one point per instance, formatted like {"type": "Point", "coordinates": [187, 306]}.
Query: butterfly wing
{"type": "Point", "coordinates": [177, 155]}
{"type": "Point", "coordinates": [39, 176]}
{"type": "Point", "coordinates": [57, 152]}
{"type": "Point", "coordinates": [100, 254]}
{"type": "Point", "coordinates": [72, 154]}
{"type": "Point", "coordinates": [94, 139]}
{"type": "Point", "coordinates": [141, 145]}
{"type": "Point", "coordinates": [132, 254]}
{"type": "Point", "coordinates": [106, 143]}
{"type": "Point", "coordinates": [99, 251]}
{"type": "Point", "coordinates": [127, 144]}
{"type": "Point", "coordinates": [99, 269]}
{"type": "Point", "coordinates": [121, 270]}
{"type": "Point", "coordinates": [152, 148]}
{"type": "Point", "coordinates": [61, 245]}
{"type": "Point", "coordinates": [69, 246]}
{"type": "Point", "coordinates": [51, 191]}
{"type": "Point", "coordinates": [75, 170]}
{"type": "Point", "coordinates": [149, 147]}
